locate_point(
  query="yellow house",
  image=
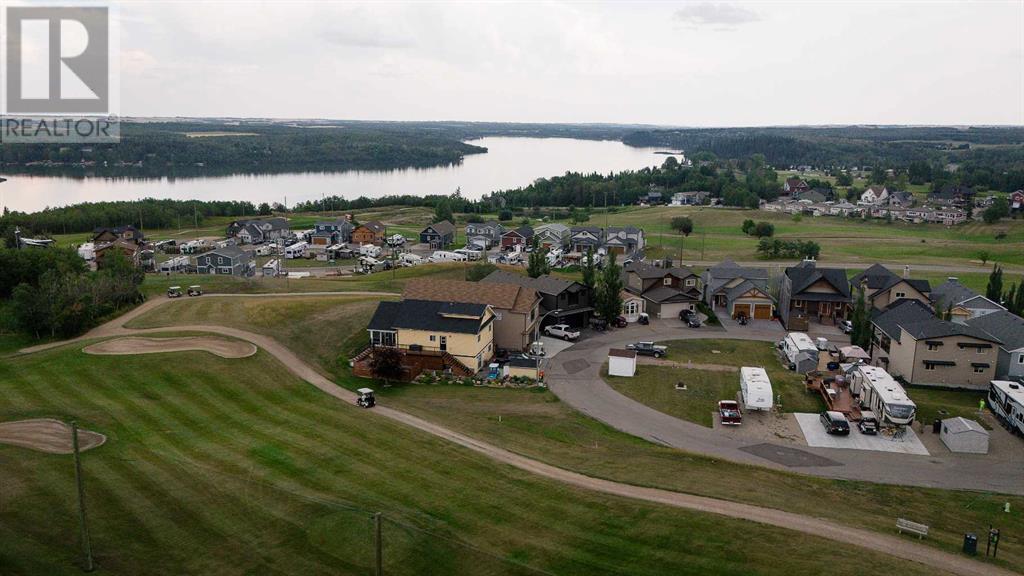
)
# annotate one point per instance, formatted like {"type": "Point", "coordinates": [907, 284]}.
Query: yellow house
{"type": "Point", "coordinates": [465, 331]}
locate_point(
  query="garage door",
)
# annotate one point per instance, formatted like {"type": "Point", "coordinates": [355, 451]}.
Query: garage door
{"type": "Point", "coordinates": [741, 310]}
{"type": "Point", "coordinates": [672, 310]}
{"type": "Point", "coordinates": [763, 311]}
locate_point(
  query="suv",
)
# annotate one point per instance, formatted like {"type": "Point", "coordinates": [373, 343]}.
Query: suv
{"type": "Point", "coordinates": [835, 423]}
{"type": "Point", "coordinates": [563, 331]}
{"type": "Point", "coordinates": [648, 349]}
{"type": "Point", "coordinates": [868, 423]}
{"type": "Point", "coordinates": [685, 314]}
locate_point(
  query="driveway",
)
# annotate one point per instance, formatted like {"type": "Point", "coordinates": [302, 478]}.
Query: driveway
{"type": "Point", "coordinates": [574, 375]}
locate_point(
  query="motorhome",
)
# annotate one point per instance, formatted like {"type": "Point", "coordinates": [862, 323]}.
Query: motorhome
{"type": "Point", "coordinates": [756, 388]}
{"type": "Point", "coordinates": [469, 254]}
{"type": "Point", "coordinates": [371, 250]}
{"type": "Point", "coordinates": [800, 351]}
{"type": "Point", "coordinates": [443, 256]}
{"type": "Point", "coordinates": [297, 250]}
{"type": "Point", "coordinates": [882, 394]}
{"type": "Point", "coordinates": [177, 264]}
{"type": "Point", "coordinates": [1006, 400]}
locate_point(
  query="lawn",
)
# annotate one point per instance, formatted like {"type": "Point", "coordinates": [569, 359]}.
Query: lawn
{"type": "Point", "coordinates": [939, 403]}
{"type": "Point", "coordinates": [655, 385]}
{"type": "Point", "coordinates": [220, 467]}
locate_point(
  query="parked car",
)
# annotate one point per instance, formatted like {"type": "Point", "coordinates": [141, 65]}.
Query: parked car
{"type": "Point", "coordinates": [648, 349]}
{"type": "Point", "coordinates": [685, 314]}
{"type": "Point", "coordinates": [599, 324]}
{"type": "Point", "coordinates": [563, 331]}
{"type": "Point", "coordinates": [195, 290]}
{"type": "Point", "coordinates": [620, 322]}
{"type": "Point", "coordinates": [821, 343]}
{"type": "Point", "coordinates": [174, 292]}
{"type": "Point", "coordinates": [729, 412]}
{"type": "Point", "coordinates": [868, 423]}
{"type": "Point", "coordinates": [846, 326]}
{"type": "Point", "coordinates": [693, 321]}
{"type": "Point", "coordinates": [835, 423]}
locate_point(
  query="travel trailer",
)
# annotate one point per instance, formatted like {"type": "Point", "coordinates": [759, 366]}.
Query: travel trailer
{"type": "Point", "coordinates": [800, 351]}
{"type": "Point", "coordinates": [756, 388]}
{"type": "Point", "coordinates": [469, 254]}
{"type": "Point", "coordinates": [443, 256]}
{"type": "Point", "coordinates": [176, 264]}
{"type": "Point", "coordinates": [410, 259]}
{"type": "Point", "coordinates": [883, 395]}
{"type": "Point", "coordinates": [297, 250]}
{"type": "Point", "coordinates": [370, 250]}
{"type": "Point", "coordinates": [1006, 400]}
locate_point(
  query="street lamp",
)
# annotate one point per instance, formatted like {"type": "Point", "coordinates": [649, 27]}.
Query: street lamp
{"type": "Point", "coordinates": [536, 337]}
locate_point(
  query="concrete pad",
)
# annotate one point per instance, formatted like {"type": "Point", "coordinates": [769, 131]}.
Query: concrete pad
{"type": "Point", "coordinates": [552, 346]}
{"type": "Point", "coordinates": [816, 436]}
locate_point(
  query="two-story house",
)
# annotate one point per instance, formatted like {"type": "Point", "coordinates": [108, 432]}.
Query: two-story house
{"type": "Point", "coordinates": [666, 291]}
{"type": "Point", "coordinates": [331, 232]}
{"type": "Point", "coordinates": [1017, 201]}
{"type": "Point", "coordinates": [485, 235]}
{"type": "Point", "coordinates": [952, 195]}
{"type": "Point", "coordinates": [812, 293]}
{"type": "Point", "coordinates": [127, 233]}
{"type": "Point", "coordinates": [230, 260]}
{"type": "Point", "coordinates": [562, 301]}
{"type": "Point", "coordinates": [585, 238]}
{"type": "Point", "coordinates": [520, 237]}
{"type": "Point", "coordinates": [883, 287]}
{"type": "Point", "coordinates": [516, 308]}
{"type": "Point", "coordinates": [961, 302]}
{"type": "Point", "coordinates": [1009, 329]}
{"type": "Point", "coordinates": [438, 235]}
{"type": "Point", "coordinates": [738, 290]}
{"type": "Point", "coordinates": [875, 194]}
{"type": "Point", "coordinates": [794, 185]}
{"type": "Point", "coordinates": [369, 233]}
{"type": "Point", "coordinates": [259, 230]}
{"type": "Point", "coordinates": [623, 240]}
{"type": "Point", "coordinates": [552, 235]}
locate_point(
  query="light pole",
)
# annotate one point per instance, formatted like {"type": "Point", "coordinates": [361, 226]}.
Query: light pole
{"type": "Point", "coordinates": [536, 337]}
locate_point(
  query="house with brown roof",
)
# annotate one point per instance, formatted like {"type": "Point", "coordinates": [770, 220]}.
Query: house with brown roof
{"type": "Point", "coordinates": [369, 233]}
{"type": "Point", "coordinates": [516, 308]}
{"type": "Point", "coordinates": [795, 185]}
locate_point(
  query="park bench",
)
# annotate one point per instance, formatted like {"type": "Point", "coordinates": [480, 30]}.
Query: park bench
{"type": "Point", "coordinates": [904, 525]}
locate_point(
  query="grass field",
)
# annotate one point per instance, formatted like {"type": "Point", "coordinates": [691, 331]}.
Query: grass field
{"type": "Point", "coordinates": [221, 467]}
{"type": "Point", "coordinates": [655, 385]}
{"type": "Point", "coordinates": [935, 403]}
{"type": "Point", "coordinates": [536, 424]}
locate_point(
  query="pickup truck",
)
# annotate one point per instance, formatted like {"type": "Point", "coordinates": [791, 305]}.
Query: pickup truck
{"type": "Point", "coordinates": [563, 331]}
{"type": "Point", "coordinates": [729, 412]}
{"type": "Point", "coordinates": [648, 349]}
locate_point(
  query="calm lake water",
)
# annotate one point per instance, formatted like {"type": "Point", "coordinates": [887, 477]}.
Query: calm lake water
{"type": "Point", "coordinates": [509, 163]}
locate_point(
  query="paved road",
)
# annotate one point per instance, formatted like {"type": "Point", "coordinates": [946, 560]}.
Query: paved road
{"type": "Point", "coordinates": [574, 375]}
{"type": "Point", "coordinates": [899, 547]}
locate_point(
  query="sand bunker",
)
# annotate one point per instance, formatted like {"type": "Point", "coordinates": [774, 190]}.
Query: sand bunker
{"type": "Point", "coordinates": [47, 435]}
{"type": "Point", "coordinates": [222, 347]}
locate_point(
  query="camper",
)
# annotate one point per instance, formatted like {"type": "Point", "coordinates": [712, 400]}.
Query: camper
{"type": "Point", "coordinates": [370, 250]}
{"type": "Point", "coordinates": [177, 264]}
{"type": "Point", "coordinates": [756, 388]}
{"type": "Point", "coordinates": [272, 268]}
{"type": "Point", "coordinates": [395, 240]}
{"type": "Point", "coordinates": [883, 395]}
{"type": "Point", "coordinates": [553, 257]}
{"type": "Point", "coordinates": [800, 352]}
{"type": "Point", "coordinates": [297, 250]}
{"type": "Point", "coordinates": [1006, 400]}
{"type": "Point", "coordinates": [410, 259]}
{"type": "Point", "coordinates": [87, 251]}
{"type": "Point", "coordinates": [469, 254]}
{"type": "Point", "coordinates": [443, 256]}
{"type": "Point", "coordinates": [194, 247]}
{"type": "Point", "coordinates": [265, 250]}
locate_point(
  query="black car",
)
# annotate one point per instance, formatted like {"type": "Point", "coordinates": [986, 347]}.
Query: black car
{"type": "Point", "coordinates": [693, 321]}
{"type": "Point", "coordinates": [685, 314]}
{"type": "Point", "coordinates": [835, 423]}
{"type": "Point", "coordinates": [868, 424]}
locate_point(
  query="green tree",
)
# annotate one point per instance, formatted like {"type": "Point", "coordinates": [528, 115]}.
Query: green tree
{"type": "Point", "coordinates": [861, 334]}
{"type": "Point", "coordinates": [537, 264]}
{"type": "Point", "coordinates": [386, 363]}
{"type": "Point", "coordinates": [999, 209]}
{"type": "Point", "coordinates": [764, 229]}
{"type": "Point", "coordinates": [589, 270]}
{"type": "Point", "coordinates": [748, 226]}
{"type": "Point", "coordinates": [579, 216]}
{"type": "Point", "coordinates": [505, 215]}
{"type": "Point", "coordinates": [443, 211]}
{"type": "Point", "coordinates": [264, 209]}
{"type": "Point", "coordinates": [1010, 299]}
{"type": "Point", "coordinates": [994, 290]}
{"type": "Point", "coordinates": [683, 225]}
{"type": "Point", "coordinates": [608, 299]}
{"type": "Point", "coordinates": [844, 178]}
{"type": "Point", "coordinates": [479, 271]}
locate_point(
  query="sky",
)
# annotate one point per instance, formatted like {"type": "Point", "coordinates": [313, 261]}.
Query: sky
{"type": "Point", "coordinates": [667, 63]}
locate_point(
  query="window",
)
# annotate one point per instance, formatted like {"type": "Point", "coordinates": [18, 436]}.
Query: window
{"type": "Point", "coordinates": [1020, 358]}
{"type": "Point", "coordinates": [980, 350]}
{"type": "Point", "coordinates": [979, 370]}
{"type": "Point", "coordinates": [433, 338]}
{"type": "Point", "coordinates": [667, 281]}
{"type": "Point", "coordinates": [691, 282]}
{"type": "Point", "coordinates": [632, 307]}
{"type": "Point", "coordinates": [929, 367]}
{"type": "Point", "coordinates": [933, 347]}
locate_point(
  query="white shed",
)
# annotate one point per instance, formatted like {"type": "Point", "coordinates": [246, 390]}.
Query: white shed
{"type": "Point", "coordinates": [621, 362]}
{"type": "Point", "coordinates": [965, 436]}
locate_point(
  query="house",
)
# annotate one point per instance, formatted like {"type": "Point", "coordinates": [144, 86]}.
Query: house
{"type": "Point", "coordinates": [815, 195]}
{"type": "Point", "coordinates": [952, 195]}
{"type": "Point", "coordinates": [922, 349]}
{"type": "Point", "coordinates": [883, 287]}
{"type": "Point", "coordinates": [127, 233]}
{"type": "Point", "coordinates": [948, 216]}
{"type": "Point", "coordinates": [810, 292]}
{"type": "Point", "coordinates": [794, 185]}
{"type": "Point", "coordinates": [230, 260]}
{"type": "Point", "coordinates": [633, 305]}
{"type": "Point", "coordinates": [520, 237]}
{"type": "Point", "coordinates": [369, 233]}
{"type": "Point", "coordinates": [258, 230]}
{"type": "Point", "coordinates": [960, 301]}
{"type": "Point", "coordinates": [562, 301]}
{"type": "Point", "coordinates": [516, 308]}
{"type": "Point", "coordinates": [552, 235]}
{"type": "Point", "coordinates": [738, 290]}
{"type": "Point", "coordinates": [901, 199]}
{"type": "Point", "coordinates": [1017, 201]}
{"type": "Point", "coordinates": [964, 436]}
{"type": "Point", "coordinates": [843, 208]}
{"type": "Point", "coordinates": [666, 291]}
{"type": "Point", "coordinates": [584, 238]}
{"type": "Point", "coordinates": [131, 250]}
{"type": "Point", "coordinates": [331, 232]}
{"type": "Point", "coordinates": [695, 198]}
{"type": "Point", "coordinates": [457, 336]}
{"type": "Point", "coordinates": [438, 235]}
{"type": "Point", "coordinates": [484, 234]}
{"type": "Point", "coordinates": [875, 195]}
{"type": "Point", "coordinates": [621, 362]}
{"type": "Point", "coordinates": [623, 240]}
{"type": "Point", "coordinates": [652, 198]}
{"type": "Point", "coordinates": [1009, 329]}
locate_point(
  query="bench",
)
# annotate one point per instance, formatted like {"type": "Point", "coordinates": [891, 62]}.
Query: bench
{"type": "Point", "coordinates": [904, 525]}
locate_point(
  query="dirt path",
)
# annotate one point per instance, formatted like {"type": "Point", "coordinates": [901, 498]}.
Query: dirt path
{"type": "Point", "coordinates": [900, 547]}
{"type": "Point", "coordinates": [130, 345]}
{"type": "Point", "coordinates": [47, 435]}
{"type": "Point", "coordinates": [690, 365]}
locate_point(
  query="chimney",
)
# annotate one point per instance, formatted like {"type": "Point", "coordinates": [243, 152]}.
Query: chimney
{"type": "Point", "coordinates": [906, 271]}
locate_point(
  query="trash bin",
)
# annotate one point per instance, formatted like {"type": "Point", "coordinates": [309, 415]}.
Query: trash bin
{"type": "Point", "coordinates": [971, 544]}
{"type": "Point", "coordinates": [936, 426]}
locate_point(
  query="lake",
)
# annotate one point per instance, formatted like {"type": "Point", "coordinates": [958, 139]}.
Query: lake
{"type": "Point", "coordinates": [509, 163]}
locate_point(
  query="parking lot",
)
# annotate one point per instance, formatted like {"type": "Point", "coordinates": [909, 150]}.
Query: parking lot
{"type": "Point", "coordinates": [815, 435]}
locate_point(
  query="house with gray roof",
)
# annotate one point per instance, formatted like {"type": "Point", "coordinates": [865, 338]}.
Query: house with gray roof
{"type": "Point", "coordinates": [330, 232]}
{"type": "Point", "coordinates": [567, 301]}
{"type": "Point", "coordinates": [585, 238]}
{"type": "Point", "coordinates": [812, 293]}
{"type": "Point", "coordinates": [623, 240]}
{"type": "Point", "coordinates": [438, 235]}
{"type": "Point", "coordinates": [883, 286]}
{"type": "Point", "coordinates": [484, 234]}
{"type": "Point", "coordinates": [230, 260]}
{"type": "Point", "coordinates": [258, 230]}
{"type": "Point", "coordinates": [553, 235]}
{"type": "Point", "coordinates": [738, 290]}
{"type": "Point", "coordinates": [666, 291]}
{"type": "Point", "coordinates": [1009, 329]}
{"type": "Point", "coordinates": [961, 302]}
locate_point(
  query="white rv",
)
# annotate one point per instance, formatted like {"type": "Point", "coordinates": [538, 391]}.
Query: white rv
{"type": "Point", "coordinates": [193, 247]}
{"type": "Point", "coordinates": [265, 250]}
{"type": "Point", "coordinates": [469, 254]}
{"type": "Point", "coordinates": [297, 250]}
{"type": "Point", "coordinates": [800, 351]}
{"type": "Point", "coordinates": [882, 394]}
{"type": "Point", "coordinates": [371, 250]}
{"type": "Point", "coordinates": [1006, 400]}
{"type": "Point", "coordinates": [443, 256]}
{"type": "Point", "coordinates": [272, 268]}
{"type": "Point", "coordinates": [176, 264]}
{"type": "Point", "coordinates": [756, 388]}
{"type": "Point", "coordinates": [87, 251]}
{"type": "Point", "coordinates": [410, 259]}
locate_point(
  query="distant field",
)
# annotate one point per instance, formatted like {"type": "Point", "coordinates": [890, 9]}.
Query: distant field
{"type": "Point", "coordinates": [214, 134]}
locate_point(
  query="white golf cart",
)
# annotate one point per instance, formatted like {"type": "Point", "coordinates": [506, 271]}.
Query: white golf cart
{"type": "Point", "coordinates": [366, 399]}
{"type": "Point", "coordinates": [195, 290]}
{"type": "Point", "coordinates": [174, 292]}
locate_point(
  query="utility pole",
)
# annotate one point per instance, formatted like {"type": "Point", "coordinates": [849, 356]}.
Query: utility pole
{"type": "Point", "coordinates": [195, 214]}
{"type": "Point", "coordinates": [378, 545]}
{"type": "Point", "coordinates": [703, 237]}
{"type": "Point", "coordinates": [86, 544]}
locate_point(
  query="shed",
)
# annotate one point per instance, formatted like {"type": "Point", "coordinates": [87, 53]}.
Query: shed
{"type": "Point", "coordinates": [621, 362]}
{"type": "Point", "coordinates": [853, 354]}
{"type": "Point", "coordinates": [521, 367]}
{"type": "Point", "coordinates": [964, 436]}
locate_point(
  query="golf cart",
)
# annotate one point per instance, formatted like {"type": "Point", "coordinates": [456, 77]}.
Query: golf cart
{"type": "Point", "coordinates": [598, 324]}
{"type": "Point", "coordinates": [644, 318]}
{"type": "Point", "coordinates": [195, 290]}
{"type": "Point", "coordinates": [366, 399]}
{"type": "Point", "coordinates": [174, 292]}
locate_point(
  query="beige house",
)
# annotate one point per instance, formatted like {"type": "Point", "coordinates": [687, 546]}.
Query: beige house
{"type": "Point", "coordinates": [911, 343]}
{"type": "Point", "coordinates": [516, 308]}
{"type": "Point", "coordinates": [883, 287]}
{"type": "Point", "coordinates": [463, 331]}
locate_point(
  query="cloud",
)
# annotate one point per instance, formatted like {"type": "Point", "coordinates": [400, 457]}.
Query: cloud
{"type": "Point", "coordinates": [718, 15]}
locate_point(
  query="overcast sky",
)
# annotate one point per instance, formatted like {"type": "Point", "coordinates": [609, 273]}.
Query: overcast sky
{"type": "Point", "coordinates": [680, 63]}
